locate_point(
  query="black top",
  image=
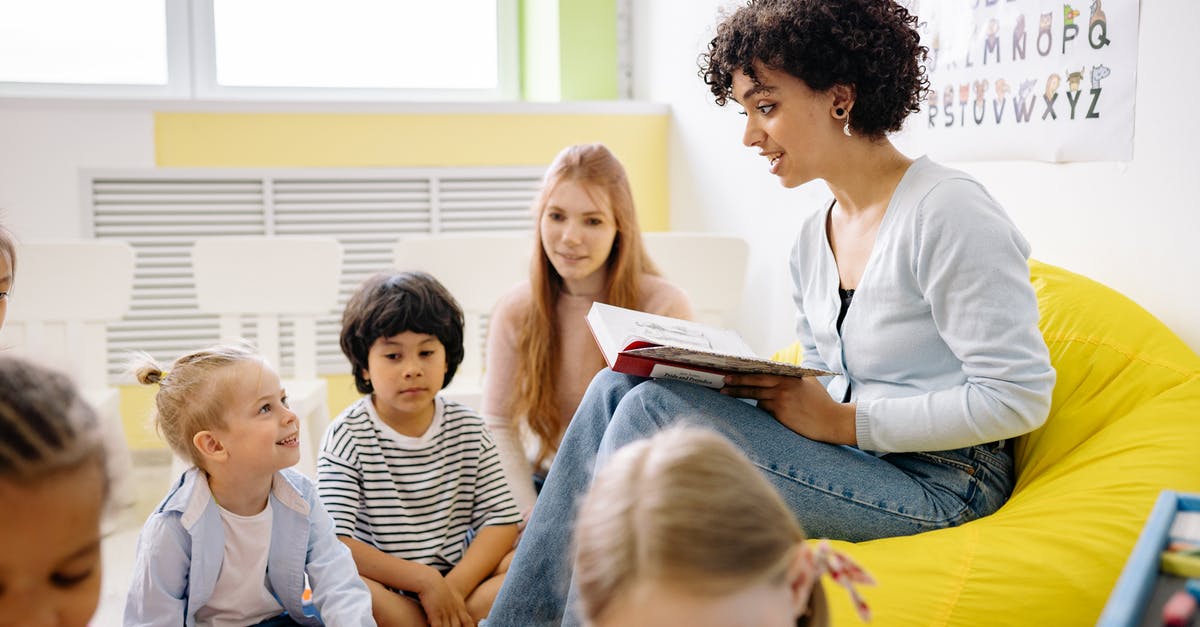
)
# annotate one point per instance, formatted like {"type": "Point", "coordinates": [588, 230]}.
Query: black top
{"type": "Point", "coordinates": [847, 296]}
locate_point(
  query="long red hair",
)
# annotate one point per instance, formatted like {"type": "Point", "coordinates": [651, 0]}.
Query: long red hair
{"type": "Point", "coordinates": [597, 170]}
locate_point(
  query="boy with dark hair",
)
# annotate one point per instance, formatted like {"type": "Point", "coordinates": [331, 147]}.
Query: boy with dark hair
{"type": "Point", "coordinates": [413, 481]}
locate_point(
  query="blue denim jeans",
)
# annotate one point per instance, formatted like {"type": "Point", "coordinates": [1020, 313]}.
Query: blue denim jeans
{"type": "Point", "coordinates": [836, 491]}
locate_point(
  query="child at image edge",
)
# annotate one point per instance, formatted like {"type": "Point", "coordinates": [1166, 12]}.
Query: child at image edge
{"type": "Point", "coordinates": [236, 535]}
{"type": "Point", "coordinates": [413, 481]}
{"type": "Point", "coordinates": [54, 484]}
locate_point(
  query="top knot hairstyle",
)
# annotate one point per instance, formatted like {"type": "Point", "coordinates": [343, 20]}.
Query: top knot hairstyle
{"type": "Point", "coordinates": [45, 425]}
{"type": "Point", "coordinates": [190, 396]}
{"type": "Point", "coordinates": [390, 304]}
{"type": "Point", "coordinates": [871, 46]}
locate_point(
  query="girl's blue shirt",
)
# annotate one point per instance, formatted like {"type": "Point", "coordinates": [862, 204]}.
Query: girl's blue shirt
{"type": "Point", "coordinates": [182, 545]}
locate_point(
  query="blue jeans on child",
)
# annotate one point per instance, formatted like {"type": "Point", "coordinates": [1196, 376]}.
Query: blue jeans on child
{"type": "Point", "coordinates": [836, 491]}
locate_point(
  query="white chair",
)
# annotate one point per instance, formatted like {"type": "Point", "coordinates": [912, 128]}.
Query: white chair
{"type": "Point", "coordinates": [272, 278]}
{"type": "Point", "coordinates": [477, 270]}
{"type": "Point", "coordinates": [64, 295]}
{"type": "Point", "coordinates": [710, 268]}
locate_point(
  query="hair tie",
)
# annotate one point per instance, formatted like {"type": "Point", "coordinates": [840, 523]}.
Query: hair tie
{"type": "Point", "coordinates": [846, 573]}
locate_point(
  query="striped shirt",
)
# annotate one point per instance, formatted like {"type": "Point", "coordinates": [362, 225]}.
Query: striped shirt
{"type": "Point", "coordinates": [418, 498]}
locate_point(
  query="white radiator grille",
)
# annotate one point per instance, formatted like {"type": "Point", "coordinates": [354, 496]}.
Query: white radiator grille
{"type": "Point", "coordinates": [161, 213]}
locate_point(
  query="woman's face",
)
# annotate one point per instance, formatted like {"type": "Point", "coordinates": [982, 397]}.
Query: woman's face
{"type": "Point", "coordinates": [789, 123]}
{"type": "Point", "coordinates": [50, 549]}
{"type": "Point", "coordinates": [577, 236]}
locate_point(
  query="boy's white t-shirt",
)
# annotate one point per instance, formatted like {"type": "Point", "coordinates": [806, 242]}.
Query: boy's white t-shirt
{"type": "Point", "coordinates": [242, 595]}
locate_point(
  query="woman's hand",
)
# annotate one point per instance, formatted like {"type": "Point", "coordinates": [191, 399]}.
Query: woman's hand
{"type": "Point", "coordinates": [443, 604]}
{"type": "Point", "coordinates": [800, 404]}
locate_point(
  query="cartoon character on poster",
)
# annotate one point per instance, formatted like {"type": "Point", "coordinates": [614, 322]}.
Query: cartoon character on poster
{"type": "Point", "coordinates": [981, 71]}
{"type": "Point", "coordinates": [1051, 95]}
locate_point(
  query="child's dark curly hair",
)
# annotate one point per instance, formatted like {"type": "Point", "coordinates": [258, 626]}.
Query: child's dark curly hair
{"type": "Point", "coordinates": [389, 304]}
{"type": "Point", "coordinates": [871, 46]}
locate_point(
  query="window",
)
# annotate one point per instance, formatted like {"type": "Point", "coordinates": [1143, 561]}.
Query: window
{"type": "Point", "coordinates": [349, 50]}
{"type": "Point", "coordinates": [83, 48]}
{"type": "Point", "coordinates": [356, 49]}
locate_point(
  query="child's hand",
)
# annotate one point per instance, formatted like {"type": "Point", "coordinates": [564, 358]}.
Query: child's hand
{"type": "Point", "coordinates": [443, 604]}
{"type": "Point", "coordinates": [525, 513]}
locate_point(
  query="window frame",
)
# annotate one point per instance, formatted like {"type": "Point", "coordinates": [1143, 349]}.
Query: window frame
{"type": "Point", "coordinates": [177, 87]}
{"type": "Point", "coordinates": [191, 71]}
{"type": "Point", "coordinates": [204, 70]}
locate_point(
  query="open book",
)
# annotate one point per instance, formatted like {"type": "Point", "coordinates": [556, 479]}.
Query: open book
{"type": "Point", "coordinates": [648, 345]}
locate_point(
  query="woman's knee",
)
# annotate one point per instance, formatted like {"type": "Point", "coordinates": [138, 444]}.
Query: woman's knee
{"type": "Point", "coordinates": [613, 385]}
{"type": "Point", "coordinates": [666, 401]}
{"type": "Point", "coordinates": [652, 405]}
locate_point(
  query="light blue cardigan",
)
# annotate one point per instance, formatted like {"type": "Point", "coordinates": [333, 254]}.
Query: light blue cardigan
{"type": "Point", "coordinates": [182, 545]}
{"type": "Point", "coordinates": [941, 339]}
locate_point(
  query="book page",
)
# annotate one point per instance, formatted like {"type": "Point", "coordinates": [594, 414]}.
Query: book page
{"type": "Point", "coordinates": [726, 363]}
{"type": "Point", "coordinates": [637, 326]}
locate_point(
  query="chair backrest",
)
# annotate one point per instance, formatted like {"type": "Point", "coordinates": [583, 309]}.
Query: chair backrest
{"type": "Point", "coordinates": [478, 270]}
{"type": "Point", "coordinates": [64, 294]}
{"type": "Point", "coordinates": [270, 277]}
{"type": "Point", "coordinates": [710, 268]}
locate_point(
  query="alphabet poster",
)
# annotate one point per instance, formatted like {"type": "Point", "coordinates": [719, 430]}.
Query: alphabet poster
{"type": "Point", "coordinates": [1028, 79]}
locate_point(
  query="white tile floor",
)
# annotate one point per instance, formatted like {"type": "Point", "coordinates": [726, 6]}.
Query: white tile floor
{"type": "Point", "coordinates": [151, 480]}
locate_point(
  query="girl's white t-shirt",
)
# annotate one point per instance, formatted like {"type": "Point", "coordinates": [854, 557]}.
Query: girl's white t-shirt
{"type": "Point", "coordinates": [242, 595]}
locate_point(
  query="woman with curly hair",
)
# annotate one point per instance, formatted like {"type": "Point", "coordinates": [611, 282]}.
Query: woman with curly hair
{"type": "Point", "coordinates": [911, 284]}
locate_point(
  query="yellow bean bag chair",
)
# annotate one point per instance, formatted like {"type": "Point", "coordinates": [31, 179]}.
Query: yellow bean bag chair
{"type": "Point", "coordinates": [1124, 424]}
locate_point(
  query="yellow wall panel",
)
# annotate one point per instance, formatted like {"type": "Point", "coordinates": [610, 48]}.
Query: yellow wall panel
{"type": "Point", "coordinates": [137, 409]}
{"type": "Point", "coordinates": [418, 140]}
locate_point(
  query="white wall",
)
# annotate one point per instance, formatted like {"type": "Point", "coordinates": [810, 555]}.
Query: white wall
{"type": "Point", "coordinates": [44, 145]}
{"type": "Point", "coordinates": [1130, 225]}
{"type": "Point", "coordinates": [1133, 226]}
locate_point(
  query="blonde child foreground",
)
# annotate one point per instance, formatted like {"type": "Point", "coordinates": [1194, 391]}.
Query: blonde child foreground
{"type": "Point", "coordinates": [681, 529]}
{"type": "Point", "coordinates": [54, 484]}
{"type": "Point", "coordinates": [413, 480]}
{"type": "Point", "coordinates": [235, 537]}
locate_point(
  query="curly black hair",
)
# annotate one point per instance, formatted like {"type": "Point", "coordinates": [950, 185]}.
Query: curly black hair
{"type": "Point", "coordinates": [389, 304]}
{"type": "Point", "coordinates": [871, 46]}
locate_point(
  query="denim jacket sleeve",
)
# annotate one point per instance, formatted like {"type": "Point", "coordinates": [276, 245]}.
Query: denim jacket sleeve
{"type": "Point", "coordinates": [341, 597]}
{"type": "Point", "coordinates": [158, 591]}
